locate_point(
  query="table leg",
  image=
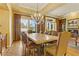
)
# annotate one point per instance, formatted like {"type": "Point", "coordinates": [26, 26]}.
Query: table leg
{"type": "Point", "coordinates": [40, 50]}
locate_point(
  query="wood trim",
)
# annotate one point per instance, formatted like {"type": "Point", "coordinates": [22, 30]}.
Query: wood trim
{"type": "Point", "coordinates": [51, 17]}
{"type": "Point", "coordinates": [72, 19]}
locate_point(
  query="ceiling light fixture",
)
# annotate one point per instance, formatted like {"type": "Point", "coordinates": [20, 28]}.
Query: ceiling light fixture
{"type": "Point", "coordinates": [37, 16]}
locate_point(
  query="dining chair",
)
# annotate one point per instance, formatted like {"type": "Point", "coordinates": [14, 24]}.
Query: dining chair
{"type": "Point", "coordinates": [54, 33]}
{"type": "Point", "coordinates": [4, 41]}
{"type": "Point", "coordinates": [24, 42]}
{"type": "Point", "coordinates": [27, 45]}
{"type": "Point", "coordinates": [75, 37]}
{"type": "Point", "coordinates": [61, 47]}
{"type": "Point", "coordinates": [29, 31]}
{"type": "Point", "coordinates": [0, 44]}
{"type": "Point", "coordinates": [46, 32]}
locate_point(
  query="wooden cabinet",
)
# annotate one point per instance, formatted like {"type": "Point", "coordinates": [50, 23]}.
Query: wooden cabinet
{"type": "Point", "coordinates": [73, 26]}
{"type": "Point", "coordinates": [61, 24]}
{"type": "Point", "coordinates": [41, 27]}
{"type": "Point", "coordinates": [17, 26]}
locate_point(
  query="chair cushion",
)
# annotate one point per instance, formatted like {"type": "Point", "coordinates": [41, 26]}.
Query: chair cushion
{"type": "Point", "coordinates": [51, 50]}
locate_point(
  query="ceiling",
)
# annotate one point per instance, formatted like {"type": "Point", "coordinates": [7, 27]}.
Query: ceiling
{"type": "Point", "coordinates": [43, 8]}
{"type": "Point", "coordinates": [65, 9]}
{"type": "Point", "coordinates": [32, 6]}
{"type": "Point", "coordinates": [3, 6]}
{"type": "Point", "coordinates": [51, 9]}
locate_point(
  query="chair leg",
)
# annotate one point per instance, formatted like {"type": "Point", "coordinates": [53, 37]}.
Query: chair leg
{"type": "Point", "coordinates": [1, 51]}
{"type": "Point", "coordinates": [76, 41]}
{"type": "Point", "coordinates": [28, 52]}
{"type": "Point", "coordinates": [34, 52]}
{"type": "Point", "coordinates": [31, 52]}
{"type": "Point", "coordinates": [25, 51]}
{"type": "Point", "coordinates": [44, 52]}
{"type": "Point", "coordinates": [1, 47]}
{"type": "Point", "coordinates": [65, 54]}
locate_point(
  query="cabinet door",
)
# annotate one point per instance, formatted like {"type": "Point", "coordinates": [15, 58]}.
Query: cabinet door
{"type": "Point", "coordinates": [17, 26]}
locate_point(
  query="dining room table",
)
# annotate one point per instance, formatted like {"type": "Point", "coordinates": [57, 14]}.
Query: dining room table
{"type": "Point", "coordinates": [41, 39]}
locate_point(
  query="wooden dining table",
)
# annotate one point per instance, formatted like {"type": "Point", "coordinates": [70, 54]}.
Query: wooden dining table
{"type": "Point", "coordinates": [41, 39]}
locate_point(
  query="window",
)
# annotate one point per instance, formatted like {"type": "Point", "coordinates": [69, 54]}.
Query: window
{"type": "Point", "coordinates": [50, 24]}
{"type": "Point", "coordinates": [24, 23]}
{"type": "Point", "coordinates": [27, 24]}
{"type": "Point", "coordinates": [33, 25]}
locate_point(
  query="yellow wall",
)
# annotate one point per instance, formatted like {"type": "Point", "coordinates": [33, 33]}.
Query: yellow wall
{"type": "Point", "coordinates": [4, 22]}
{"type": "Point", "coordinates": [7, 24]}
{"type": "Point", "coordinates": [11, 24]}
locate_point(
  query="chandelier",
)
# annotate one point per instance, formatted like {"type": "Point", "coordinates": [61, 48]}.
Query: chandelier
{"type": "Point", "coordinates": [37, 16]}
